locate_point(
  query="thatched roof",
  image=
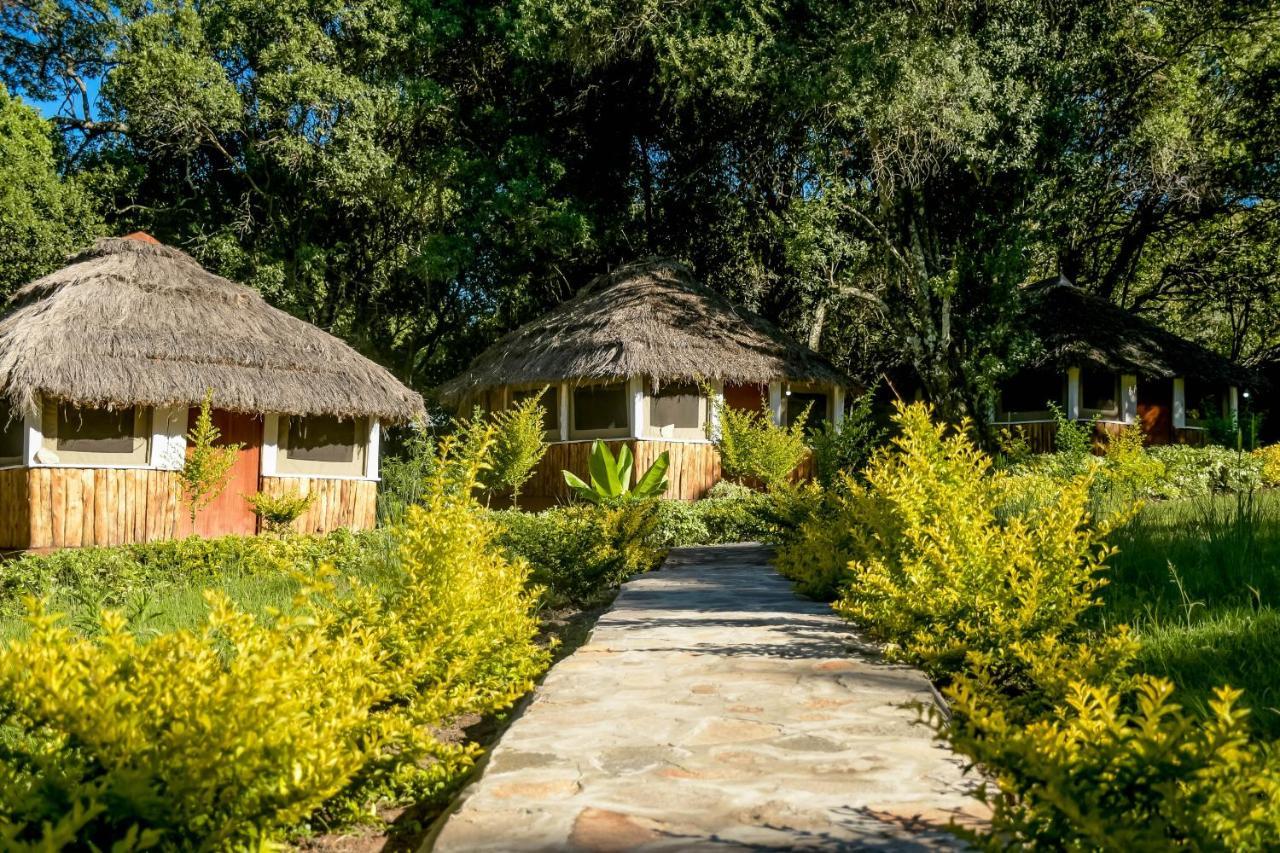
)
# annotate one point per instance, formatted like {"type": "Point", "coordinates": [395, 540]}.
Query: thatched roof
{"type": "Point", "coordinates": [132, 322]}
{"type": "Point", "coordinates": [648, 319]}
{"type": "Point", "coordinates": [1077, 328]}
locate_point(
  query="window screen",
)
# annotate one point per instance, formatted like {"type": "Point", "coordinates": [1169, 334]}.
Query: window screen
{"type": "Point", "coordinates": [550, 405]}
{"type": "Point", "coordinates": [322, 438]}
{"type": "Point", "coordinates": [12, 428]}
{"type": "Point", "coordinates": [817, 403]}
{"type": "Point", "coordinates": [1030, 392]}
{"type": "Point", "coordinates": [96, 430]}
{"type": "Point", "coordinates": [600, 408]}
{"type": "Point", "coordinates": [1100, 390]}
{"type": "Point", "coordinates": [678, 405]}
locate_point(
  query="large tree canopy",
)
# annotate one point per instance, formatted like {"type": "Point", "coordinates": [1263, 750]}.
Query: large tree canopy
{"type": "Point", "coordinates": [43, 215]}
{"type": "Point", "coordinates": [880, 177]}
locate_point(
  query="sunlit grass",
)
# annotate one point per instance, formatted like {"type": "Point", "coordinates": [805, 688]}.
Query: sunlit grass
{"type": "Point", "coordinates": [1199, 581]}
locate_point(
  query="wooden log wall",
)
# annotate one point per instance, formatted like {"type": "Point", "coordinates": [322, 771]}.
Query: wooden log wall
{"type": "Point", "coordinates": [338, 503]}
{"type": "Point", "coordinates": [80, 507]}
{"type": "Point", "coordinates": [15, 521]}
{"type": "Point", "coordinates": [694, 468]}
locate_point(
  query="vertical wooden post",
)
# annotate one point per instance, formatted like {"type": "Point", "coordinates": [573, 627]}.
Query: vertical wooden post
{"type": "Point", "coordinates": [372, 449]}
{"type": "Point", "coordinates": [636, 386]}
{"type": "Point", "coordinates": [1128, 398]}
{"type": "Point", "coordinates": [714, 404]}
{"type": "Point", "coordinates": [1179, 403]}
{"type": "Point", "coordinates": [563, 403]}
{"type": "Point", "coordinates": [776, 403]}
{"type": "Point", "coordinates": [270, 445]}
{"type": "Point", "coordinates": [1073, 393]}
{"type": "Point", "coordinates": [837, 406]}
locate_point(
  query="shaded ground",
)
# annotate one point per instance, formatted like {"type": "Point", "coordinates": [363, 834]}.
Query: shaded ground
{"type": "Point", "coordinates": [713, 709]}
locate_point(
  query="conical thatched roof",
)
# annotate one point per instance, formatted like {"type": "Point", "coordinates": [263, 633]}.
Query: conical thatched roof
{"type": "Point", "coordinates": [648, 319]}
{"type": "Point", "coordinates": [1078, 328]}
{"type": "Point", "coordinates": [132, 322]}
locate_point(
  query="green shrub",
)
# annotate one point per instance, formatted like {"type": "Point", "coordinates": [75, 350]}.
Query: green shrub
{"type": "Point", "coordinates": [845, 449]}
{"type": "Point", "coordinates": [1191, 472]}
{"type": "Point", "coordinates": [115, 577]}
{"type": "Point", "coordinates": [277, 512]}
{"type": "Point", "coordinates": [404, 472]}
{"type": "Point", "coordinates": [579, 552]}
{"type": "Point", "coordinates": [753, 448]}
{"type": "Point", "coordinates": [729, 513]}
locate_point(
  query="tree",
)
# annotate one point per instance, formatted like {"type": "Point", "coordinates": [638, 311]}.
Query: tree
{"type": "Point", "coordinates": [43, 215]}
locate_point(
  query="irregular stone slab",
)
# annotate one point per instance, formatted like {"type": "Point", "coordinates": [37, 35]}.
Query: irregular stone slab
{"type": "Point", "coordinates": [713, 709]}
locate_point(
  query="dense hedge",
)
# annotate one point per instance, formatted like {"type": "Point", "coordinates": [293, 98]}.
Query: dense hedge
{"type": "Point", "coordinates": [984, 577]}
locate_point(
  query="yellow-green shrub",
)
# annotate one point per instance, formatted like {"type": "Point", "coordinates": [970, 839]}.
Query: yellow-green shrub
{"type": "Point", "coordinates": [939, 571]}
{"type": "Point", "coordinates": [457, 635]}
{"type": "Point", "coordinates": [1117, 769]}
{"type": "Point", "coordinates": [753, 447]}
{"type": "Point", "coordinates": [1270, 457]}
{"type": "Point", "coordinates": [222, 735]}
{"type": "Point", "coordinates": [818, 551]}
{"type": "Point", "coordinates": [236, 732]}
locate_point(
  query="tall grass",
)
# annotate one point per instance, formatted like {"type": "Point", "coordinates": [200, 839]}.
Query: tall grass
{"type": "Point", "coordinates": [1199, 581]}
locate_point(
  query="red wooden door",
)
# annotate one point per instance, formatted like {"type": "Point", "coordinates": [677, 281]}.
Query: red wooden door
{"type": "Point", "coordinates": [1155, 409]}
{"type": "Point", "coordinates": [746, 397]}
{"type": "Point", "coordinates": [229, 512]}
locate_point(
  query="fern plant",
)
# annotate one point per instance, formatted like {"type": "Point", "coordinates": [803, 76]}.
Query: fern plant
{"type": "Point", "coordinates": [519, 444]}
{"type": "Point", "coordinates": [208, 465]}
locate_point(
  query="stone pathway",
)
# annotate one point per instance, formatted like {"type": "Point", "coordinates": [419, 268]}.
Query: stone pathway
{"type": "Point", "coordinates": [713, 709]}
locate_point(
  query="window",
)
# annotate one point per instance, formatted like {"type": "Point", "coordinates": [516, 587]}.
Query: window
{"type": "Point", "coordinates": [550, 406]}
{"type": "Point", "coordinates": [677, 410]}
{"type": "Point", "coordinates": [1027, 395]}
{"type": "Point", "coordinates": [1204, 402]}
{"type": "Point", "coordinates": [798, 401]}
{"type": "Point", "coordinates": [76, 435]}
{"type": "Point", "coordinates": [322, 445]}
{"type": "Point", "coordinates": [600, 411]}
{"type": "Point", "coordinates": [1099, 392]}
{"type": "Point", "coordinates": [12, 431]}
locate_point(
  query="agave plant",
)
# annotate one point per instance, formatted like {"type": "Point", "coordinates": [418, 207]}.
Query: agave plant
{"type": "Point", "coordinates": [611, 478]}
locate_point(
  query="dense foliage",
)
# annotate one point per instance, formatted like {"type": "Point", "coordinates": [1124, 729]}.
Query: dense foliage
{"type": "Point", "coordinates": [755, 450]}
{"type": "Point", "coordinates": [997, 595]}
{"type": "Point", "coordinates": [420, 177]}
{"type": "Point", "coordinates": [235, 730]}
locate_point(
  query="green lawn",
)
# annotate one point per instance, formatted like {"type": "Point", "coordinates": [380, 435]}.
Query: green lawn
{"type": "Point", "coordinates": [1199, 581]}
{"type": "Point", "coordinates": [166, 590]}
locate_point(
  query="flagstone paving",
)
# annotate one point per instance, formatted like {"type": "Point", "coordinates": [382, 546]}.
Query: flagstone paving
{"type": "Point", "coordinates": [713, 709]}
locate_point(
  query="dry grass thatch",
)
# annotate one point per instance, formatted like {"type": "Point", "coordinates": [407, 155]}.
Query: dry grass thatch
{"type": "Point", "coordinates": [648, 319]}
{"type": "Point", "coordinates": [132, 322]}
{"type": "Point", "coordinates": [1077, 328]}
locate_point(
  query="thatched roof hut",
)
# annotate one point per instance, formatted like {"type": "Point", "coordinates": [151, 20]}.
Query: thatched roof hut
{"type": "Point", "coordinates": [650, 319]}
{"type": "Point", "coordinates": [1078, 328]}
{"type": "Point", "coordinates": [132, 322]}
